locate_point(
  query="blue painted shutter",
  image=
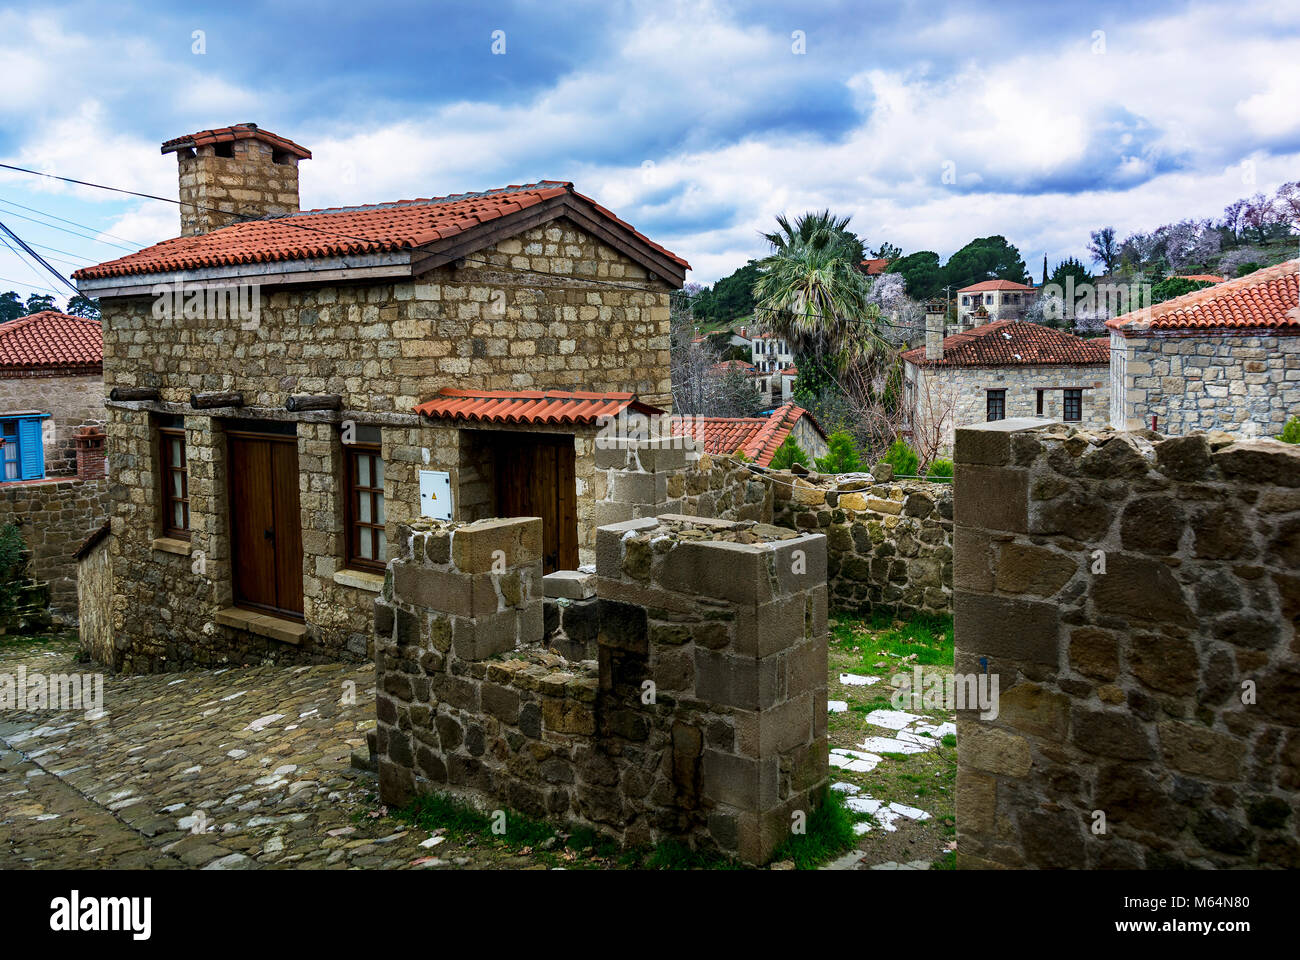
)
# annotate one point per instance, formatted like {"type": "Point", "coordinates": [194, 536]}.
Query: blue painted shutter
{"type": "Point", "coordinates": [31, 453]}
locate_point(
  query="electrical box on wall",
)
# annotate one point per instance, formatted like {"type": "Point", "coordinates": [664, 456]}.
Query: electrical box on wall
{"type": "Point", "coordinates": [435, 494]}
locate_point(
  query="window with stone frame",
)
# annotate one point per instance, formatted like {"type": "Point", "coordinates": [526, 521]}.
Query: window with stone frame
{"type": "Point", "coordinates": [995, 405]}
{"type": "Point", "coordinates": [363, 475]}
{"type": "Point", "coordinates": [1073, 406]}
{"type": "Point", "coordinates": [173, 477]}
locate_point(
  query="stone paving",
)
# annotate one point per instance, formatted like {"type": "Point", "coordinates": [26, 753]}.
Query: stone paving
{"type": "Point", "coordinates": [215, 769]}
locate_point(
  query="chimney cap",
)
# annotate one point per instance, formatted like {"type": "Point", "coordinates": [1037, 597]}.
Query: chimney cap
{"type": "Point", "coordinates": [240, 131]}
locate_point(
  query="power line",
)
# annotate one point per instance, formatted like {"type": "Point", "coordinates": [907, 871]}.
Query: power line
{"type": "Point", "coordinates": [39, 259]}
{"type": "Point", "coordinates": [34, 286]}
{"type": "Point", "coordinates": [65, 229]}
{"type": "Point", "coordinates": [73, 222]}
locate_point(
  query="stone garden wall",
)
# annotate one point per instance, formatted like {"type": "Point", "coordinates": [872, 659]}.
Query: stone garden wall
{"type": "Point", "coordinates": [703, 716]}
{"type": "Point", "coordinates": [889, 542]}
{"type": "Point", "coordinates": [55, 517]}
{"type": "Point", "coordinates": [1137, 597]}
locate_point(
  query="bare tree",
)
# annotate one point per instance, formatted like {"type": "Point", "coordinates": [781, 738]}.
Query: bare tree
{"type": "Point", "coordinates": [1104, 248]}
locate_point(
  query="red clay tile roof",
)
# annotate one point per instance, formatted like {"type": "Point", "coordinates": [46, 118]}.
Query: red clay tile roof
{"type": "Point", "coordinates": [240, 131]}
{"type": "Point", "coordinates": [984, 285]}
{"type": "Point", "coordinates": [875, 266]}
{"type": "Point", "coordinates": [530, 406]}
{"type": "Point", "coordinates": [1267, 299]}
{"type": "Point", "coordinates": [1015, 343]}
{"type": "Point", "coordinates": [756, 437]}
{"type": "Point", "coordinates": [728, 365]}
{"type": "Point", "coordinates": [50, 340]}
{"type": "Point", "coordinates": [374, 228]}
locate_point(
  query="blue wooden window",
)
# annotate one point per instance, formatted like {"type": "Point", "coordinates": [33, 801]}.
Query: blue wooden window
{"type": "Point", "coordinates": [23, 455]}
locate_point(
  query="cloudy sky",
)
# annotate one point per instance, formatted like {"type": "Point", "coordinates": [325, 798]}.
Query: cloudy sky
{"type": "Point", "coordinates": [929, 122]}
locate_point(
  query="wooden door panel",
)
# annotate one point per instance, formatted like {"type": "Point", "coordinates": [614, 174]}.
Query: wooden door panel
{"type": "Point", "coordinates": [288, 525]}
{"type": "Point", "coordinates": [535, 478]}
{"type": "Point", "coordinates": [566, 509]}
{"type": "Point", "coordinates": [252, 522]}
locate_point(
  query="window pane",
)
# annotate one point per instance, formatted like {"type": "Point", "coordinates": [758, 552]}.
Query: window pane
{"type": "Point", "coordinates": [363, 506]}
{"type": "Point", "coordinates": [383, 546]}
{"type": "Point", "coordinates": [379, 472]}
{"type": "Point", "coordinates": [379, 508]}
{"type": "Point", "coordinates": [363, 470]}
{"type": "Point", "coordinates": [178, 516]}
{"type": "Point", "coordinates": [364, 544]}
{"type": "Point", "coordinates": [178, 458]}
{"type": "Point", "coordinates": [176, 485]}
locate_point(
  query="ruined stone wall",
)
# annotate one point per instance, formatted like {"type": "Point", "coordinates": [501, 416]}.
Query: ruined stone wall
{"type": "Point", "coordinates": [71, 401]}
{"type": "Point", "coordinates": [889, 542]}
{"type": "Point", "coordinates": [703, 718]}
{"type": "Point", "coordinates": [1247, 385]}
{"type": "Point", "coordinates": [55, 517]}
{"type": "Point", "coordinates": [1137, 597]}
{"type": "Point", "coordinates": [95, 603]}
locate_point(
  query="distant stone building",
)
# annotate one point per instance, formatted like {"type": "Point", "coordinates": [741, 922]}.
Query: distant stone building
{"type": "Point", "coordinates": [994, 300]}
{"type": "Point", "coordinates": [51, 387]}
{"type": "Point", "coordinates": [1225, 357]}
{"type": "Point", "coordinates": [1003, 370]}
{"type": "Point", "coordinates": [345, 371]}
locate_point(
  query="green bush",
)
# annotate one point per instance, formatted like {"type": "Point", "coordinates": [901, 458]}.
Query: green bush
{"type": "Point", "coordinates": [1246, 268]}
{"type": "Point", "coordinates": [1291, 432]}
{"type": "Point", "coordinates": [940, 470]}
{"type": "Point", "coordinates": [842, 456]}
{"type": "Point", "coordinates": [788, 454]}
{"type": "Point", "coordinates": [902, 458]}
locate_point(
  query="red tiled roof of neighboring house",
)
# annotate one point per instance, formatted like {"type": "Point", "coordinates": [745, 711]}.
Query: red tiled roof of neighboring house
{"type": "Point", "coordinates": [756, 437]}
{"type": "Point", "coordinates": [1268, 299]}
{"type": "Point", "coordinates": [240, 131]}
{"type": "Point", "coordinates": [790, 372]}
{"type": "Point", "coordinates": [1014, 343]}
{"type": "Point", "coordinates": [1202, 277]}
{"type": "Point", "coordinates": [875, 265]}
{"type": "Point", "coordinates": [984, 285]}
{"type": "Point", "coordinates": [340, 231]}
{"type": "Point", "coordinates": [728, 365]}
{"type": "Point", "coordinates": [51, 340]}
{"type": "Point", "coordinates": [530, 406]}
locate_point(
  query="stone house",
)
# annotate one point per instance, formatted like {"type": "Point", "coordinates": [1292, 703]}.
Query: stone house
{"type": "Point", "coordinates": [756, 437]}
{"type": "Point", "coordinates": [1000, 370]}
{"type": "Point", "coordinates": [51, 387]}
{"type": "Point", "coordinates": [1225, 357]}
{"type": "Point", "coordinates": [286, 387]}
{"type": "Point", "coordinates": [994, 300]}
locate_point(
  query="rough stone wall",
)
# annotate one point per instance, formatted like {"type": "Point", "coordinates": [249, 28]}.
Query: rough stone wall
{"type": "Point", "coordinates": [218, 191]}
{"type": "Point", "coordinates": [1245, 385]}
{"type": "Point", "coordinates": [889, 543]}
{"type": "Point", "coordinates": [55, 517]}
{"type": "Point", "coordinates": [72, 401]}
{"type": "Point", "coordinates": [95, 603]}
{"type": "Point", "coordinates": [1137, 597]}
{"type": "Point", "coordinates": [731, 741]}
{"type": "Point", "coordinates": [960, 394]}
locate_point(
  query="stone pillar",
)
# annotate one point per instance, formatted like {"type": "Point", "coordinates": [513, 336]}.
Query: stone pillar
{"type": "Point", "coordinates": [934, 336]}
{"type": "Point", "coordinates": [638, 478]}
{"type": "Point", "coordinates": [725, 633]}
{"type": "Point", "coordinates": [459, 595]}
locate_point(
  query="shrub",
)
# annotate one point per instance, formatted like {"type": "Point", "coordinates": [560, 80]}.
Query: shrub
{"type": "Point", "coordinates": [1246, 268]}
{"type": "Point", "coordinates": [842, 456]}
{"type": "Point", "coordinates": [940, 470]}
{"type": "Point", "coordinates": [902, 458]}
{"type": "Point", "coordinates": [788, 454]}
{"type": "Point", "coordinates": [1291, 432]}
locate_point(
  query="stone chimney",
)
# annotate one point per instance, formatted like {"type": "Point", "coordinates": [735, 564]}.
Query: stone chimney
{"type": "Point", "coordinates": [234, 174]}
{"type": "Point", "coordinates": [934, 335]}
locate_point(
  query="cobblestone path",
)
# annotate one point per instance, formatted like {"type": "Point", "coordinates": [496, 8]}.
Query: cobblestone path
{"type": "Point", "coordinates": [217, 769]}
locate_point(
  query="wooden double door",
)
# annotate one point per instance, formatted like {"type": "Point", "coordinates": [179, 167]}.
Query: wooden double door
{"type": "Point", "coordinates": [265, 523]}
{"type": "Point", "coordinates": [535, 478]}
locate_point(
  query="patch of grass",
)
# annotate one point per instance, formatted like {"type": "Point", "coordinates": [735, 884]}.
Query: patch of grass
{"type": "Point", "coordinates": [947, 861]}
{"type": "Point", "coordinates": [829, 834]}
{"type": "Point", "coordinates": [929, 639]}
{"type": "Point", "coordinates": [675, 855]}
{"type": "Point", "coordinates": [431, 811]}
{"type": "Point", "coordinates": [878, 703]}
{"type": "Point", "coordinates": [949, 740]}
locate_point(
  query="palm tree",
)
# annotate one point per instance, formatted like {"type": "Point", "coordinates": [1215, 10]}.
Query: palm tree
{"type": "Point", "coordinates": [811, 291]}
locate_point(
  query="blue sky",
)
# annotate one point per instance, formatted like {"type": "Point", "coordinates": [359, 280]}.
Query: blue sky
{"type": "Point", "coordinates": [930, 123]}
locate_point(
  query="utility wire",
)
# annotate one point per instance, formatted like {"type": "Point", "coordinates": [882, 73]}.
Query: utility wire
{"type": "Point", "coordinates": [39, 259]}
{"type": "Point", "coordinates": [74, 233]}
{"type": "Point", "coordinates": [73, 222]}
